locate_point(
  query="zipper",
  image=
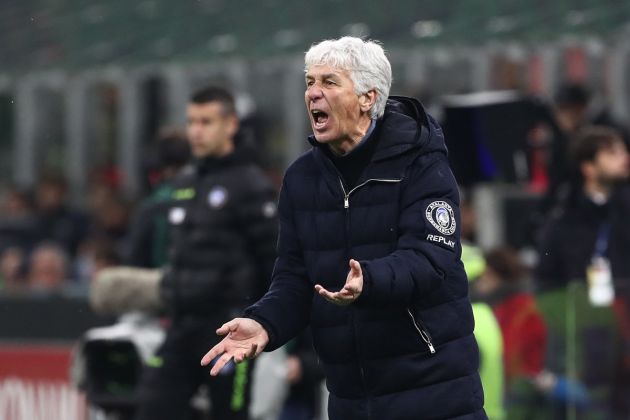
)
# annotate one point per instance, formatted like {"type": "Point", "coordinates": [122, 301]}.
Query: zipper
{"type": "Point", "coordinates": [355, 328]}
{"type": "Point", "coordinates": [346, 206]}
{"type": "Point", "coordinates": [422, 332]}
{"type": "Point", "coordinates": [346, 196]}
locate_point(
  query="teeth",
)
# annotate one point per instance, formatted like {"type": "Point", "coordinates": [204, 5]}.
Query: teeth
{"type": "Point", "coordinates": [318, 116]}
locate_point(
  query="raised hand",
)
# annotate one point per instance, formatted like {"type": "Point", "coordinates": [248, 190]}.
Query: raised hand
{"type": "Point", "coordinates": [351, 290]}
{"type": "Point", "coordinates": [245, 339]}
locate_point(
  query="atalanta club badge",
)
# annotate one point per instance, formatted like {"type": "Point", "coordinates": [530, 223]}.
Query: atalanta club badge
{"type": "Point", "coordinates": [440, 215]}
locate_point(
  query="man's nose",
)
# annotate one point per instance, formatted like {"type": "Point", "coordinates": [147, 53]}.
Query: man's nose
{"type": "Point", "coordinates": [193, 130]}
{"type": "Point", "coordinates": [314, 91]}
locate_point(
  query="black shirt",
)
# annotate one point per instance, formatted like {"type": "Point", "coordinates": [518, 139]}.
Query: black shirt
{"type": "Point", "coordinates": [352, 164]}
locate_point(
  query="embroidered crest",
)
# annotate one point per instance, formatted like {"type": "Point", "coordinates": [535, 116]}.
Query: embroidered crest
{"type": "Point", "coordinates": [217, 197]}
{"type": "Point", "coordinates": [440, 215]}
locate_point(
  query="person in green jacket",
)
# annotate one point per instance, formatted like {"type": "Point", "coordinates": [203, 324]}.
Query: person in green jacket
{"type": "Point", "coordinates": [489, 339]}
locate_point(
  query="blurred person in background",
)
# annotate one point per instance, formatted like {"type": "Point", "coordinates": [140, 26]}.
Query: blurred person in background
{"type": "Point", "coordinates": [502, 285]}
{"type": "Point", "coordinates": [369, 252]}
{"type": "Point", "coordinates": [573, 109]}
{"type": "Point", "coordinates": [57, 220]}
{"type": "Point", "coordinates": [223, 233]}
{"type": "Point", "coordinates": [222, 229]}
{"type": "Point", "coordinates": [576, 107]}
{"type": "Point", "coordinates": [12, 278]}
{"type": "Point", "coordinates": [16, 202]}
{"type": "Point", "coordinates": [18, 223]}
{"type": "Point", "coordinates": [569, 115]}
{"type": "Point", "coordinates": [111, 219]}
{"type": "Point", "coordinates": [48, 269]}
{"type": "Point", "coordinates": [304, 375]}
{"type": "Point", "coordinates": [95, 254]}
{"type": "Point", "coordinates": [487, 331]}
{"type": "Point", "coordinates": [583, 261]}
{"type": "Point", "coordinates": [148, 230]}
{"type": "Point", "coordinates": [488, 335]}
{"type": "Point", "coordinates": [592, 227]}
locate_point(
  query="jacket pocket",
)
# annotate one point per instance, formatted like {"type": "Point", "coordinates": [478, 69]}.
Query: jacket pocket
{"type": "Point", "coordinates": [422, 331]}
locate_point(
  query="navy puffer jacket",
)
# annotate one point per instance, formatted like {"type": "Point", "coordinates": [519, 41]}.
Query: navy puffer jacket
{"type": "Point", "coordinates": [405, 349]}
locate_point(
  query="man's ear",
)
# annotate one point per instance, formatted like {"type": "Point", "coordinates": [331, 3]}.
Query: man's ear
{"type": "Point", "coordinates": [367, 100]}
{"type": "Point", "coordinates": [234, 125]}
{"type": "Point", "coordinates": [587, 169]}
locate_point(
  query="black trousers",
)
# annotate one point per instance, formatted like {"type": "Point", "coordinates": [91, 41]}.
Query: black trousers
{"type": "Point", "coordinates": [169, 382]}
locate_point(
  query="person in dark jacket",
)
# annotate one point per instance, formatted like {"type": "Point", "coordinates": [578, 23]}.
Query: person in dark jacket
{"type": "Point", "coordinates": [593, 218]}
{"type": "Point", "coordinates": [56, 220]}
{"type": "Point", "coordinates": [584, 262]}
{"type": "Point", "coordinates": [369, 252]}
{"type": "Point", "coordinates": [223, 230]}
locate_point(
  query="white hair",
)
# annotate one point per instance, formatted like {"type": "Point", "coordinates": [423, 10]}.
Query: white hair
{"type": "Point", "coordinates": [365, 61]}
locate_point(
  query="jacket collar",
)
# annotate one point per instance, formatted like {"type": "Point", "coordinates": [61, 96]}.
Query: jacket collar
{"type": "Point", "coordinates": [211, 164]}
{"type": "Point", "coordinates": [405, 131]}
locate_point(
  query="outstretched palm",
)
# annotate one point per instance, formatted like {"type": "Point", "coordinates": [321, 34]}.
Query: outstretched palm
{"type": "Point", "coordinates": [350, 291]}
{"type": "Point", "coordinates": [245, 339]}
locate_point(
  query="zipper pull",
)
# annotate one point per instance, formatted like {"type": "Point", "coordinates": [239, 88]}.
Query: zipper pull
{"type": "Point", "coordinates": [431, 348]}
{"type": "Point", "coordinates": [346, 202]}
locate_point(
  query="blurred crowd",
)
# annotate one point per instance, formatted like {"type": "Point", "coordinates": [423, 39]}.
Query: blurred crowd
{"type": "Point", "coordinates": [48, 245]}
{"type": "Point", "coordinates": [557, 345]}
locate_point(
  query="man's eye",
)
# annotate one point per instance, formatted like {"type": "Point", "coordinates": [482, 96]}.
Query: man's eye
{"type": "Point", "coordinates": [330, 82]}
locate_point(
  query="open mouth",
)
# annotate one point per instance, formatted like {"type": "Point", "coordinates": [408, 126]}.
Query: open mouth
{"type": "Point", "coordinates": [320, 118]}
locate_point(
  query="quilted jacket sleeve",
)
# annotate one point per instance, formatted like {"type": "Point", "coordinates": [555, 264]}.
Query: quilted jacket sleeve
{"type": "Point", "coordinates": [285, 308]}
{"type": "Point", "coordinates": [428, 246]}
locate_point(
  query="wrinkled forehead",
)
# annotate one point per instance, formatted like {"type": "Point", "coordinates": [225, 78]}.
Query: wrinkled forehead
{"type": "Point", "coordinates": [318, 70]}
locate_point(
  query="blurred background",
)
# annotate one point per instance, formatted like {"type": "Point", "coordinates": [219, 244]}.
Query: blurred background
{"type": "Point", "coordinates": [86, 87]}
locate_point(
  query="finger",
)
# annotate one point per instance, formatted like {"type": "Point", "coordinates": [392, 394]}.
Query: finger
{"type": "Point", "coordinates": [240, 357]}
{"type": "Point", "coordinates": [350, 288]}
{"type": "Point", "coordinates": [346, 297]}
{"type": "Point", "coordinates": [252, 353]}
{"type": "Point", "coordinates": [223, 360]}
{"type": "Point", "coordinates": [340, 298]}
{"type": "Point", "coordinates": [355, 267]}
{"type": "Point", "coordinates": [214, 352]}
{"type": "Point", "coordinates": [228, 327]}
{"type": "Point", "coordinates": [324, 293]}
